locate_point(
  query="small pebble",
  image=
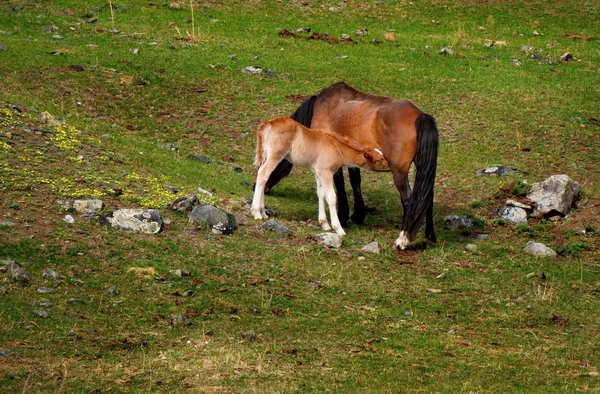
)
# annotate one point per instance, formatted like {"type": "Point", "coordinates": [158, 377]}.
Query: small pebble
{"type": "Point", "coordinates": [471, 248]}
{"type": "Point", "coordinates": [6, 352]}
{"type": "Point", "coordinates": [40, 313]}
{"type": "Point", "coordinates": [113, 291]}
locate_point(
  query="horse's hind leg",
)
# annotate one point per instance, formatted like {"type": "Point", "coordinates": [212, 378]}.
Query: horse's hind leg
{"type": "Point", "coordinates": [403, 186]}
{"type": "Point", "coordinates": [358, 216]}
{"type": "Point", "coordinates": [258, 202]}
{"type": "Point", "coordinates": [429, 229]}
{"type": "Point", "coordinates": [342, 197]}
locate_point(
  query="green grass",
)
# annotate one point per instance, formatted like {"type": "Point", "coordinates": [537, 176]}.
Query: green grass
{"type": "Point", "coordinates": [435, 320]}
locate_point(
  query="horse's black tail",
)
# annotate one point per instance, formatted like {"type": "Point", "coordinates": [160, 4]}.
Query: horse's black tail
{"type": "Point", "coordinates": [302, 115]}
{"type": "Point", "coordinates": [426, 164]}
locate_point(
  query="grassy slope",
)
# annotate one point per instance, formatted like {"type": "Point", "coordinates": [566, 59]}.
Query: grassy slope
{"type": "Point", "coordinates": [438, 320]}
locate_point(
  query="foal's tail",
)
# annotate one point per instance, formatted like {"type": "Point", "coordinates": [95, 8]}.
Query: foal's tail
{"type": "Point", "coordinates": [426, 163]}
{"type": "Point", "coordinates": [260, 157]}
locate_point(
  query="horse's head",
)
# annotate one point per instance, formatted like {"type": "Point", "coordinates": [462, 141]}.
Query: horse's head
{"type": "Point", "coordinates": [376, 161]}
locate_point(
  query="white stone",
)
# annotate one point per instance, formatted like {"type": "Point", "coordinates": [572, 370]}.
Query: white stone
{"type": "Point", "coordinates": [539, 250]}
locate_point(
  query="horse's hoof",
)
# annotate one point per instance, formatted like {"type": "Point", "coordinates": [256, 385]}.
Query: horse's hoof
{"type": "Point", "coordinates": [325, 226]}
{"type": "Point", "coordinates": [402, 242]}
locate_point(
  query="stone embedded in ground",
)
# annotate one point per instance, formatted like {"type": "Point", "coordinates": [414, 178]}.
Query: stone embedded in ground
{"type": "Point", "coordinates": [45, 290]}
{"type": "Point", "coordinates": [113, 291]}
{"type": "Point", "coordinates": [248, 335]}
{"type": "Point", "coordinates": [146, 221]}
{"type": "Point", "coordinates": [7, 224]}
{"type": "Point", "coordinates": [471, 248]}
{"type": "Point", "coordinates": [539, 250]}
{"type": "Point", "coordinates": [252, 70]}
{"type": "Point", "coordinates": [554, 196]}
{"type": "Point", "coordinates": [496, 171]}
{"type": "Point", "coordinates": [446, 51]}
{"type": "Point", "coordinates": [83, 205]}
{"type": "Point", "coordinates": [6, 352]}
{"type": "Point", "coordinates": [514, 215]}
{"type": "Point", "coordinates": [199, 158]}
{"type": "Point", "coordinates": [69, 219]}
{"type": "Point", "coordinates": [371, 247]}
{"type": "Point", "coordinates": [481, 237]}
{"type": "Point", "coordinates": [217, 220]}
{"type": "Point", "coordinates": [272, 225]}
{"type": "Point", "coordinates": [180, 320]}
{"type": "Point", "coordinates": [42, 303]}
{"type": "Point", "coordinates": [40, 313]}
{"type": "Point", "coordinates": [454, 222]}
{"type": "Point", "coordinates": [184, 204]}
{"type": "Point", "coordinates": [566, 57]}
{"type": "Point", "coordinates": [331, 240]}
{"type": "Point", "coordinates": [49, 273]}
{"type": "Point", "coordinates": [18, 273]}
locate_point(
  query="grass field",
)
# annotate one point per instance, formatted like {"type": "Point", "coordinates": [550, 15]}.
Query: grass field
{"type": "Point", "coordinates": [138, 86]}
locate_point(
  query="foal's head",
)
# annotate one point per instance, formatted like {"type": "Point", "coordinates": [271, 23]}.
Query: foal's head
{"type": "Point", "coordinates": [376, 161]}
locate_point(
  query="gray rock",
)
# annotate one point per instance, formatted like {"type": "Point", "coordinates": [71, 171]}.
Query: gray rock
{"type": "Point", "coordinates": [40, 313]}
{"type": "Point", "coordinates": [252, 70]}
{"type": "Point", "coordinates": [180, 320]}
{"type": "Point", "coordinates": [42, 303]}
{"type": "Point", "coordinates": [248, 335]}
{"type": "Point", "coordinates": [272, 225]}
{"type": "Point", "coordinates": [481, 237]}
{"type": "Point", "coordinates": [57, 37]}
{"type": "Point", "coordinates": [176, 272]}
{"type": "Point", "coordinates": [199, 158]}
{"type": "Point", "coordinates": [566, 57]}
{"type": "Point", "coordinates": [83, 205]}
{"type": "Point", "coordinates": [69, 219]}
{"type": "Point", "coordinates": [217, 220]}
{"type": "Point", "coordinates": [18, 273]}
{"type": "Point", "coordinates": [371, 247]}
{"type": "Point", "coordinates": [45, 290]}
{"type": "Point", "coordinates": [113, 291]}
{"type": "Point", "coordinates": [496, 171]}
{"type": "Point", "coordinates": [201, 190]}
{"type": "Point", "coordinates": [7, 224]}
{"type": "Point", "coordinates": [6, 352]}
{"type": "Point", "coordinates": [554, 196]}
{"type": "Point", "coordinates": [146, 221]}
{"type": "Point", "coordinates": [49, 28]}
{"type": "Point", "coordinates": [446, 51]}
{"type": "Point", "coordinates": [184, 204]}
{"type": "Point", "coordinates": [2, 48]}
{"type": "Point", "coordinates": [331, 240]}
{"type": "Point", "coordinates": [454, 222]}
{"type": "Point", "coordinates": [512, 214]}
{"type": "Point", "coordinates": [539, 250]}
{"type": "Point", "coordinates": [471, 248]}
{"type": "Point", "coordinates": [49, 273]}
{"type": "Point", "coordinates": [72, 301]}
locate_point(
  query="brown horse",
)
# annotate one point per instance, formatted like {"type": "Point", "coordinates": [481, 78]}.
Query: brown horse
{"type": "Point", "coordinates": [405, 134]}
{"type": "Point", "coordinates": [284, 138]}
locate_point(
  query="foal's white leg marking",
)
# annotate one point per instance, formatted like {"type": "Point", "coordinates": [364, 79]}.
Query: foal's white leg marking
{"type": "Point", "coordinates": [402, 242]}
{"type": "Point", "coordinates": [321, 197]}
{"type": "Point", "coordinates": [259, 191]}
{"type": "Point", "coordinates": [258, 202]}
{"type": "Point", "coordinates": [329, 192]}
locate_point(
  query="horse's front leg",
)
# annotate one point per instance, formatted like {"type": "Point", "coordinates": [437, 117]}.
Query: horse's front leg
{"type": "Point", "coordinates": [326, 179]}
{"type": "Point", "coordinates": [403, 186]}
{"type": "Point", "coordinates": [360, 211]}
{"type": "Point", "coordinates": [321, 197]}
{"type": "Point", "coordinates": [342, 197]}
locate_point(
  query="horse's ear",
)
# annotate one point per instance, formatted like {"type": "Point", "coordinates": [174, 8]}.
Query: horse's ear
{"type": "Point", "coordinates": [368, 156]}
